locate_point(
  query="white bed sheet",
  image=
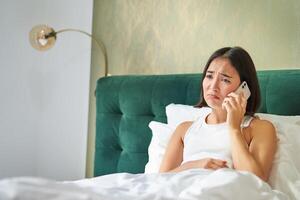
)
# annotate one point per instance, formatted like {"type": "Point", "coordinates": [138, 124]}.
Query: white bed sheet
{"type": "Point", "coordinates": [191, 184]}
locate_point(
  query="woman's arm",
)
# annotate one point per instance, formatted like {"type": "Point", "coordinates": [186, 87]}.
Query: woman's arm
{"type": "Point", "coordinates": [174, 152]}
{"type": "Point", "coordinates": [258, 157]}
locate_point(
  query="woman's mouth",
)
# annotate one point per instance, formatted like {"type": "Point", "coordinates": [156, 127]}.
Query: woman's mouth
{"type": "Point", "coordinates": [213, 96]}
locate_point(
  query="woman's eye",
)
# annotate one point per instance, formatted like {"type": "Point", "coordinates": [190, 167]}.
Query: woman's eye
{"type": "Point", "coordinates": [226, 80]}
{"type": "Point", "coordinates": [209, 76]}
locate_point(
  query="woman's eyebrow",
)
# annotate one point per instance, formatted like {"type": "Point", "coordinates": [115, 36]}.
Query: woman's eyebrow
{"type": "Point", "coordinates": [223, 74]}
{"type": "Point", "coordinates": [226, 75]}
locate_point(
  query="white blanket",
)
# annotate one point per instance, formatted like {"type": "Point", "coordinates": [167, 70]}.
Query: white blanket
{"type": "Point", "coordinates": [192, 184]}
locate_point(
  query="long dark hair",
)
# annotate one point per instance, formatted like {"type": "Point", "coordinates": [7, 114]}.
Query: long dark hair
{"type": "Point", "coordinates": [242, 62]}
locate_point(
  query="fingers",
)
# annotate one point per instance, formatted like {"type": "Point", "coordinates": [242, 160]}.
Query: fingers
{"type": "Point", "coordinates": [215, 164]}
{"type": "Point", "coordinates": [231, 101]}
{"type": "Point", "coordinates": [235, 101]}
{"type": "Point", "coordinates": [228, 103]}
{"type": "Point", "coordinates": [240, 98]}
{"type": "Point", "coordinates": [219, 162]}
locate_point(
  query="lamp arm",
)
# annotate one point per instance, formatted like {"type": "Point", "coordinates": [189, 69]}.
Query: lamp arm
{"type": "Point", "coordinates": [99, 43]}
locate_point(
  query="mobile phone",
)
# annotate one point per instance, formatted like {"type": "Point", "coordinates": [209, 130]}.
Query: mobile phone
{"type": "Point", "coordinates": [245, 89]}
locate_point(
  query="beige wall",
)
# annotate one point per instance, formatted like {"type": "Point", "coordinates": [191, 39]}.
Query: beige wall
{"type": "Point", "coordinates": [178, 36]}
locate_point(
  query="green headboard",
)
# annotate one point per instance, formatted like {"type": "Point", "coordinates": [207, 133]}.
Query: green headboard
{"type": "Point", "coordinates": [126, 105]}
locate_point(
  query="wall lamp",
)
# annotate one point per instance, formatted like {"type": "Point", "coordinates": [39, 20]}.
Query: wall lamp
{"type": "Point", "coordinates": [43, 37]}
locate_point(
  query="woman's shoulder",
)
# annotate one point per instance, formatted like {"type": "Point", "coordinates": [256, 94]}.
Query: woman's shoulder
{"type": "Point", "coordinates": [256, 121]}
{"type": "Point", "coordinates": [185, 125]}
{"type": "Point", "coordinates": [258, 126]}
{"type": "Point", "coordinates": [182, 128]}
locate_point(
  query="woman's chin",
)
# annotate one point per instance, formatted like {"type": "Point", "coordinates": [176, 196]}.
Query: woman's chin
{"type": "Point", "coordinates": [214, 105]}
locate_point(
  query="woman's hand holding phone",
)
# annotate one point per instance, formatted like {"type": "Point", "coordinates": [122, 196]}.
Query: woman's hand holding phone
{"type": "Point", "coordinates": [235, 104]}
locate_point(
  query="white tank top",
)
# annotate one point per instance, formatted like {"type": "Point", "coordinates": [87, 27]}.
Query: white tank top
{"type": "Point", "coordinates": [204, 140]}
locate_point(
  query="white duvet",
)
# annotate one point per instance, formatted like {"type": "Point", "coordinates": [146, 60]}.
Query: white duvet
{"type": "Point", "coordinates": [192, 184]}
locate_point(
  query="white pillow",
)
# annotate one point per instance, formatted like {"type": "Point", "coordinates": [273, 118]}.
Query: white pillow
{"type": "Point", "coordinates": [289, 126]}
{"type": "Point", "coordinates": [178, 113]}
{"type": "Point", "coordinates": [285, 173]}
{"type": "Point", "coordinates": [161, 134]}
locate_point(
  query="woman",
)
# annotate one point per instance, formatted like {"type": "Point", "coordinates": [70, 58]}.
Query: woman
{"type": "Point", "coordinates": [228, 135]}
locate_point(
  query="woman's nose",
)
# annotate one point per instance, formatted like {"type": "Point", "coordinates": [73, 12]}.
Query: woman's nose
{"type": "Point", "coordinates": [214, 84]}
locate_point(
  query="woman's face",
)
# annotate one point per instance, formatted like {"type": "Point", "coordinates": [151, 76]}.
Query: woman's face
{"type": "Point", "coordinates": [220, 80]}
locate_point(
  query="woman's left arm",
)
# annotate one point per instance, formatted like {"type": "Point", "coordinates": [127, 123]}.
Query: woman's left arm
{"type": "Point", "coordinates": [257, 157]}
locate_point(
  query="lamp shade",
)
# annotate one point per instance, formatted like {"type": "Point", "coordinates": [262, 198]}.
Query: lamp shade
{"type": "Point", "coordinates": [42, 37]}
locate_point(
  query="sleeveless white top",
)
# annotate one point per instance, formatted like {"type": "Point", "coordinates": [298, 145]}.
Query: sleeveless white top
{"type": "Point", "coordinates": [204, 140]}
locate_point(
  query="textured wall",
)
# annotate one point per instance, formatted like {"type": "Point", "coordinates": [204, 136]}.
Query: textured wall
{"type": "Point", "coordinates": [177, 36]}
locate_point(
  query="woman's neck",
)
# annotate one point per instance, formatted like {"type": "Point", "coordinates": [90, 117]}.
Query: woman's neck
{"type": "Point", "coordinates": [216, 117]}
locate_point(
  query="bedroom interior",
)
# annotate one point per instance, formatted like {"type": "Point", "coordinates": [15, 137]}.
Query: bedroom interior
{"type": "Point", "coordinates": [155, 54]}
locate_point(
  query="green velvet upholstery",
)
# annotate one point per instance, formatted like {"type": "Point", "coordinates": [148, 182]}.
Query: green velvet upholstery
{"type": "Point", "coordinates": [126, 105]}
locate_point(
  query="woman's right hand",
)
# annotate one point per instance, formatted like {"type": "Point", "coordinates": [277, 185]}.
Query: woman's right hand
{"type": "Point", "coordinates": [206, 163]}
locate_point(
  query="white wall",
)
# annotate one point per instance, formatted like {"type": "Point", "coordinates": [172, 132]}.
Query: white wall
{"type": "Point", "coordinates": [44, 95]}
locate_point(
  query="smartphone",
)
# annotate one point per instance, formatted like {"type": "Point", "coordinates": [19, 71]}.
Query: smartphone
{"type": "Point", "coordinates": [245, 89]}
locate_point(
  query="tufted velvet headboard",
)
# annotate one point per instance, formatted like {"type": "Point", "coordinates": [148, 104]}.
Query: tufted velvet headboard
{"type": "Point", "coordinates": [126, 105]}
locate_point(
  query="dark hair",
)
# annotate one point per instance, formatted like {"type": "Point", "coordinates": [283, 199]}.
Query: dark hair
{"type": "Point", "coordinates": [242, 62]}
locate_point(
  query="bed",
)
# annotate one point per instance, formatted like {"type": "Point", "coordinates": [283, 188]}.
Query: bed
{"type": "Point", "coordinates": [127, 104]}
{"type": "Point", "coordinates": [134, 118]}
